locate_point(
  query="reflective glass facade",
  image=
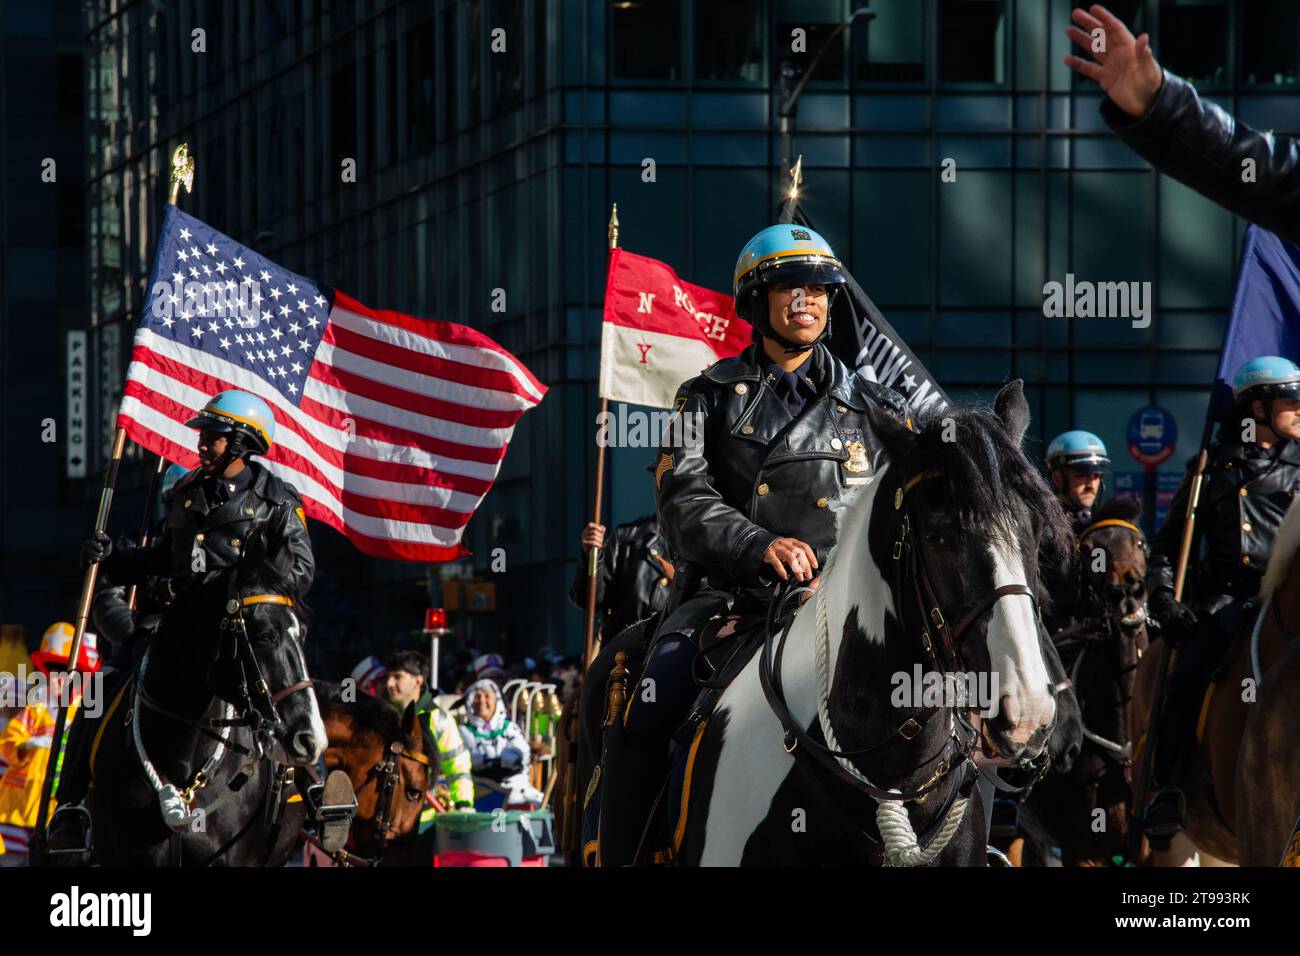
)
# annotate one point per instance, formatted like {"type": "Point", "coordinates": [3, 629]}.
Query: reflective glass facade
{"type": "Point", "coordinates": [480, 170]}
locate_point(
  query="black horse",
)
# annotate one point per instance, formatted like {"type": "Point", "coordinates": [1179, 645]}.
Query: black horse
{"type": "Point", "coordinates": [934, 572]}
{"type": "Point", "coordinates": [220, 709]}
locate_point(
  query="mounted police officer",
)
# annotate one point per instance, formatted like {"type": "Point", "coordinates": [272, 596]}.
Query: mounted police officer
{"type": "Point", "coordinates": [633, 575]}
{"type": "Point", "coordinates": [210, 513]}
{"type": "Point", "coordinates": [759, 447]}
{"type": "Point", "coordinates": [1250, 482]}
{"type": "Point", "coordinates": [1076, 461]}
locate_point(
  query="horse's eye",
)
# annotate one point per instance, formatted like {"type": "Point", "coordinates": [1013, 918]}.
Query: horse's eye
{"type": "Point", "coordinates": [934, 537]}
{"type": "Point", "coordinates": [414, 794]}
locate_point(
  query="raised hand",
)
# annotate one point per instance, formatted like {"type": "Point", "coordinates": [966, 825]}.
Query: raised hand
{"type": "Point", "coordinates": [1125, 68]}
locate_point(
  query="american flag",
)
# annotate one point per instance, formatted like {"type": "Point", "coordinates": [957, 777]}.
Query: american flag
{"type": "Point", "coordinates": [392, 428]}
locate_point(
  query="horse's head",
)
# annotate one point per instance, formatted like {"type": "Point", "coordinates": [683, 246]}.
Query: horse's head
{"type": "Point", "coordinates": [385, 757]}
{"type": "Point", "coordinates": [1113, 565]}
{"type": "Point", "coordinates": [962, 518]}
{"type": "Point", "coordinates": [258, 662]}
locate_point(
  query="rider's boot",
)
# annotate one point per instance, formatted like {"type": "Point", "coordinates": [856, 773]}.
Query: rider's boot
{"type": "Point", "coordinates": [69, 828]}
{"type": "Point", "coordinates": [1166, 812]}
{"type": "Point", "coordinates": [636, 762]}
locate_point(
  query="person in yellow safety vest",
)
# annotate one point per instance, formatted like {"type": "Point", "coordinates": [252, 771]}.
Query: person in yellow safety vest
{"type": "Point", "coordinates": [26, 740]}
{"type": "Point", "coordinates": [405, 684]}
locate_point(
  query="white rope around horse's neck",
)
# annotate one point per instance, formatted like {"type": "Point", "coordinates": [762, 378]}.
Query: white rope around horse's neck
{"type": "Point", "coordinates": [901, 845]}
{"type": "Point", "coordinates": [178, 814]}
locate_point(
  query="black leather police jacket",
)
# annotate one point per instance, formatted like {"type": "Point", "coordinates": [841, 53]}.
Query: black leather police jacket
{"type": "Point", "coordinates": [1199, 144]}
{"type": "Point", "coordinates": [753, 474]}
{"type": "Point", "coordinates": [1245, 495]}
{"type": "Point", "coordinates": [193, 523]}
{"type": "Point", "coordinates": [631, 580]}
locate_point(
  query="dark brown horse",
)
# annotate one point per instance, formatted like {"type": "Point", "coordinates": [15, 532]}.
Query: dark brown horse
{"type": "Point", "coordinates": [1236, 771]}
{"type": "Point", "coordinates": [1268, 773]}
{"type": "Point", "coordinates": [1087, 809]}
{"type": "Point", "coordinates": [386, 758]}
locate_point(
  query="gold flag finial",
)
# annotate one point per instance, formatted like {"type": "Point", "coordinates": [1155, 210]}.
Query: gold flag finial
{"type": "Point", "coordinates": [613, 227]}
{"type": "Point", "coordinates": [796, 177]}
{"type": "Point", "coordinates": [182, 172]}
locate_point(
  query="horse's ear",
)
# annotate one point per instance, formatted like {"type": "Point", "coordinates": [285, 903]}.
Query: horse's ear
{"type": "Point", "coordinates": [253, 554]}
{"type": "Point", "coordinates": [1012, 410]}
{"type": "Point", "coordinates": [411, 721]}
{"type": "Point", "coordinates": [892, 430]}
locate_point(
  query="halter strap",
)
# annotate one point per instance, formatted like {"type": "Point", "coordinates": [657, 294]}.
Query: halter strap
{"type": "Point", "coordinates": [912, 482]}
{"type": "Point", "coordinates": [1110, 523]}
{"type": "Point", "coordinates": [266, 599]}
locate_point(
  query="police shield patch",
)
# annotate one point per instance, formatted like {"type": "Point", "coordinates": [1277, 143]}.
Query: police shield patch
{"type": "Point", "coordinates": [856, 468]}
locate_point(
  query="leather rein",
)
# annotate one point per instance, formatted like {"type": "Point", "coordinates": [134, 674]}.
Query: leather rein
{"type": "Point", "coordinates": [944, 655]}
{"type": "Point", "coordinates": [385, 774]}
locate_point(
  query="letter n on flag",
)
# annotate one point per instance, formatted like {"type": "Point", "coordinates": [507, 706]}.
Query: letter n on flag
{"type": "Point", "coordinates": [660, 331]}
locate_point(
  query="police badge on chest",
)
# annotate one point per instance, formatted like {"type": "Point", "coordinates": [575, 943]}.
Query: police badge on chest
{"type": "Point", "coordinates": [858, 465]}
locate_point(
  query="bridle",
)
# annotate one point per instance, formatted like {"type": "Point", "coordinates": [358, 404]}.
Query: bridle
{"type": "Point", "coordinates": [386, 774]}
{"type": "Point", "coordinates": [1122, 753]}
{"type": "Point", "coordinates": [944, 654]}
{"type": "Point", "coordinates": [1092, 597]}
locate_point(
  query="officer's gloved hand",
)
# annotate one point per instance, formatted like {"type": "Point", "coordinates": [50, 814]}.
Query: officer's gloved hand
{"type": "Point", "coordinates": [1177, 620]}
{"type": "Point", "coordinates": [95, 549]}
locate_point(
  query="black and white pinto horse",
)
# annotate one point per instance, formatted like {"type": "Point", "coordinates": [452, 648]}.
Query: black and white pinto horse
{"type": "Point", "coordinates": [189, 765]}
{"type": "Point", "coordinates": [934, 571]}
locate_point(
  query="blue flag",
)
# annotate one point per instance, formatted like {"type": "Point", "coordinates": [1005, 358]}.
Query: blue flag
{"type": "Point", "coordinates": [1265, 317]}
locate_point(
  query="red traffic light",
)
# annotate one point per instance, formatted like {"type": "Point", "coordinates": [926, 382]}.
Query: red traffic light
{"type": "Point", "coordinates": [435, 619]}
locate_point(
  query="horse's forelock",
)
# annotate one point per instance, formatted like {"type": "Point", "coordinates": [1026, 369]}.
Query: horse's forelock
{"type": "Point", "coordinates": [988, 480]}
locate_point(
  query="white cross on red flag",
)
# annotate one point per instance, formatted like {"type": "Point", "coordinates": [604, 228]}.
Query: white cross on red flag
{"type": "Point", "coordinates": [660, 331]}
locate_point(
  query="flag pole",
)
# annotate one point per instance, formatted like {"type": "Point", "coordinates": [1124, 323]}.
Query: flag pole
{"type": "Point", "coordinates": [182, 174]}
{"type": "Point", "coordinates": [593, 556]}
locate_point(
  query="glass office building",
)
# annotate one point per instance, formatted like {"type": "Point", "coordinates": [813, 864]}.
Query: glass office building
{"type": "Point", "coordinates": [491, 136]}
{"type": "Point", "coordinates": [42, 298]}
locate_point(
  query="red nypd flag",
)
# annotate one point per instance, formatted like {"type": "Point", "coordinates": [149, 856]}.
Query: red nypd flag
{"type": "Point", "coordinates": [391, 427]}
{"type": "Point", "coordinates": [660, 331]}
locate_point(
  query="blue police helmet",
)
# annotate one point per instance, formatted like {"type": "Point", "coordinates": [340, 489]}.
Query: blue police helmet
{"type": "Point", "coordinates": [240, 414]}
{"type": "Point", "coordinates": [1266, 376]}
{"type": "Point", "coordinates": [173, 474]}
{"type": "Point", "coordinates": [787, 254]}
{"type": "Point", "coordinates": [1078, 449]}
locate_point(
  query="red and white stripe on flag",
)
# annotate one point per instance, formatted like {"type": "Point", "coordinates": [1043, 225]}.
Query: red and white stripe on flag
{"type": "Point", "coordinates": [398, 432]}
{"type": "Point", "coordinates": [660, 331]}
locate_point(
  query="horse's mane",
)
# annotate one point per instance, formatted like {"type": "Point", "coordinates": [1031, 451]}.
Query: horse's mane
{"type": "Point", "coordinates": [1123, 509]}
{"type": "Point", "coordinates": [1285, 548]}
{"type": "Point", "coordinates": [368, 714]}
{"type": "Point", "coordinates": [988, 480]}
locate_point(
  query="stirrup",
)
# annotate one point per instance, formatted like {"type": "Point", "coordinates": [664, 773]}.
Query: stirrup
{"type": "Point", "coordinates": [997, 857]}
{"type": "Point", "coordinates": [61, 813]}
{"type": "Point", "coordinates": [332, 805]}
{"type": "Point", "coordinates": [1160, 834]}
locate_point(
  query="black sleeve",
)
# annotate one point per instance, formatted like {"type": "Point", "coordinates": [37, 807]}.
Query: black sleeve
{"type": "Point", "coordinates": [604, 573]}
{"type": "Point", "coordinates": [700, 527]}
{"type": "Point", "coordinates": [1200, 145]}
{"type": "Point", "coordinates": [291, 545]}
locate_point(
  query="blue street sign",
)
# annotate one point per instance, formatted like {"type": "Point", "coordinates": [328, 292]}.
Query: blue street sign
{"type": "Point", "coordinates": [1152, 435]}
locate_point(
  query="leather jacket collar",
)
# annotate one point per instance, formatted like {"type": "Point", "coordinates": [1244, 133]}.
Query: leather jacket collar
{"type": "Point", "coordinates": [749, 366]}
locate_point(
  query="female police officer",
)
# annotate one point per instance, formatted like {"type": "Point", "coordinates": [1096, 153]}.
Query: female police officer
{"type": "Point", "coordinates": [772, 436]}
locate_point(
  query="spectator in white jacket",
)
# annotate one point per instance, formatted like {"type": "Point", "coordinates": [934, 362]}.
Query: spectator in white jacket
{"type": "Point", "coordinates": [497, 745]}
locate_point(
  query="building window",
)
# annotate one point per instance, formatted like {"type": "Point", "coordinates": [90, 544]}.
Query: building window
{"type": "Point", "coordinates": [891, 48]}
{"type": "Point", "coordinates": [1194, 40]}
{"type": "Point", "coordinates": [728, 40]}
{"type": "Point", "coordinates": [1270, 49]}
{"type": "Point", "coordinates": [818, 20]}
{"type": "Point", "coordinates": [647, 39]}
{"type": "Point", "coordinates": [507, 67]}
{"type": "Point", "coordinates": [972, 46]}
{"type": "Point", "coordinates": [421, 64]}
